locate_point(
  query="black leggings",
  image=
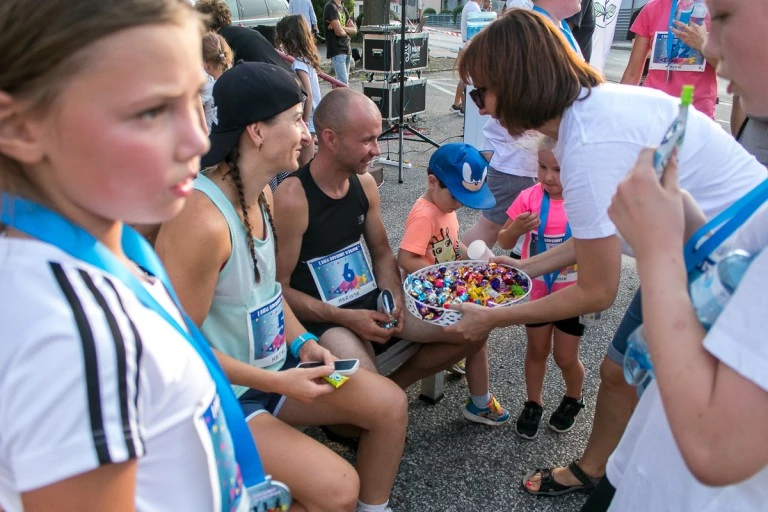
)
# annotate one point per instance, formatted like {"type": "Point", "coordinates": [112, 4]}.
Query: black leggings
{"type": "Point", "coordinates": [600, 499]}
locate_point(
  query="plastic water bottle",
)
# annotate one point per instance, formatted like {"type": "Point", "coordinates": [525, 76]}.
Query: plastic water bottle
{"type": "Point", "coordinates": [685, 8]}
{"type": "Point", "coordinates": [673, 138]}
{"type": "Point", "coordinates": [477, 21]}
{"type": "Point", "coordinates": [637, 359]}
{"type": "Point", "coordinates": [710, 292]}
{"type": "Point", "coordinates": [699, 13]}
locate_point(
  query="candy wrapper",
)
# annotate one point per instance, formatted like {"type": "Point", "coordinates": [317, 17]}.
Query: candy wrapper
{"type": "Point", "coordinates": [336, 379]}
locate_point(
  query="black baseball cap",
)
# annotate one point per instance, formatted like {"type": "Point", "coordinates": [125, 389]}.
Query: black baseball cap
{"type": "Point", "coordinates": [247, 93]}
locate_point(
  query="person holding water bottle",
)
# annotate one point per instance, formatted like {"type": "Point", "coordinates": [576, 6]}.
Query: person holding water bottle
{"type": "Point", "coordinates": [543, 86]}
{"type": "Point", "coordinates": [673, 33]}
{"type": "Point", "coordinates": [697, 439]}
{"type": "Point", "coordinates": [109, 397]}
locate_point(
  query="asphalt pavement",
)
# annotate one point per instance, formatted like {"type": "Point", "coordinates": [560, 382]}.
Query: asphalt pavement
{"type": "Point", "coordinates": [451, 465]}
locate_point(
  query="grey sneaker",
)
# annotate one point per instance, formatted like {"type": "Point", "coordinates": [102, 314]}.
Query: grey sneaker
{"type": "Point", "coordinates": [457, 109]}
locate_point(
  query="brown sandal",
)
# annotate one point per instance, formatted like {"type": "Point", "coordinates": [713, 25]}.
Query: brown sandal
{"type": "Point", "coordinates": [550, 487]}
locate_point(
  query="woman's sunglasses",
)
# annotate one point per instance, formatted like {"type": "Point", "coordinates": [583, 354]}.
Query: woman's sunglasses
{"type": "Point", "coordinates": [478, 96]}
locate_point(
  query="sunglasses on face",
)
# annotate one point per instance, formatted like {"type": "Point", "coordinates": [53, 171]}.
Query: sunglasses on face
{"type": "Point", "coordinates": [478, 96]}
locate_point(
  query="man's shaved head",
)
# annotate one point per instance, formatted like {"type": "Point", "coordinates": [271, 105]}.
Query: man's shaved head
{"type": "Point", "coordinates": [348, 125]}
{"type": "Point", "coordinates": [339, 109]}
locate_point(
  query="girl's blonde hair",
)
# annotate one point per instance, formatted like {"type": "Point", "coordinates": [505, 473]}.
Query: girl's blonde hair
{"type": "Point", "coordinates": [533, 142]}
{"type": "Point", "coordinates": [293, 34]}
{"type": "Point", "coordinates": [44, 47]}
{"type": "Point", "coordinates": [216, 51]}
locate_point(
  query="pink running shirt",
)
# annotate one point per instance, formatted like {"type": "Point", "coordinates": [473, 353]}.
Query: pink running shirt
{"type": "Point", "coordinates": [529, 200]}
{"type": "Point", "coordinates": [655, 18]}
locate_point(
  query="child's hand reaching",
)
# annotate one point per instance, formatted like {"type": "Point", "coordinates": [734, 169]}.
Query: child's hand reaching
{"type": "Point", "coordinates": [514, 229]}
{"type": "Point", "coordinates": [526, 221]}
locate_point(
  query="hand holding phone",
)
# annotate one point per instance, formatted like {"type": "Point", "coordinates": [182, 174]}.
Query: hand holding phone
{"type": "Point", "coordinates": [386, 304]}
{"type": "Point", "coordinates": [341, 366]}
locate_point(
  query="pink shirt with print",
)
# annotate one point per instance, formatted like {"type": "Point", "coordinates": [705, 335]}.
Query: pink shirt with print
{"type": "Point", "coordinates": [530, 200]}
{"type": "Point", "coordinates": [655, 18]}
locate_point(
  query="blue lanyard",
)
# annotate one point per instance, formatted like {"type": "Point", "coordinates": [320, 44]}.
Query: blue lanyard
{"type": "Point", "coordinates": [50, 227]}
{"type": "Point", "coordinates": [670, 37]}
{"type": "Point", "coordinates": [723, 226]}
{"type": "Point", "coordinates": [541, 245]}
{"type": "Point", "coordinates": [565, 29]}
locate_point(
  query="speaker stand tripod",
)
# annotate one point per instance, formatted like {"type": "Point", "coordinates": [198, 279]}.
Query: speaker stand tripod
{"type": "Point", "coordinates": [401, 126]}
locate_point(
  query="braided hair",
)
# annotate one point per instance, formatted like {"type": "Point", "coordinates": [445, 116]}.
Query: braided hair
{"type": "Point", "coordinates": [237, 180]}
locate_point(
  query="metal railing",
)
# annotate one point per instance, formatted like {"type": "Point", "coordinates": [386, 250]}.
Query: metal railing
{"type": "Point", "coordinates": [324, 76]}
{"type": "Point", "coordinates": [442, 21]}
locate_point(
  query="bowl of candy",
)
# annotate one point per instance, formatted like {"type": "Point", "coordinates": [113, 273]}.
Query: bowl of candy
{"type": "Point", "coordinates": [429, 292]}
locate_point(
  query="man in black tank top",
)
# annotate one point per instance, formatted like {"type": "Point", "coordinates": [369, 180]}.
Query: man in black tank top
{"type": "Point", "coordinates": [326, 215]}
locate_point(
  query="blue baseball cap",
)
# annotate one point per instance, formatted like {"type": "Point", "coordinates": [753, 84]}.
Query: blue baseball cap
{"type": "Point", "coordinates": [463, 170]}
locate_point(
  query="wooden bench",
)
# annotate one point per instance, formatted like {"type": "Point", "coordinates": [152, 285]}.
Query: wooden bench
{"type": "Point", "coordinates": [400, 352]}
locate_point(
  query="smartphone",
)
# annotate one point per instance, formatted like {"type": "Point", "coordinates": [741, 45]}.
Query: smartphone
{"type": "Point", "coordinates": [346, 366]}
{"type": "Point", "coordinates": [341, 366]}
{"type": "Point", "coordinates": [386, 302]}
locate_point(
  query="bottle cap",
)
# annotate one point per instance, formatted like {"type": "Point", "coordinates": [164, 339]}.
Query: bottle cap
{"type": "Point", "coordinates": [686, 95]}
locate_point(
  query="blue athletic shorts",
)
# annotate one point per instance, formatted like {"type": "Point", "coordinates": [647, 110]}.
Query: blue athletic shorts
{"type": "Point", "coordinates": [254, 402]}
{"type": "Point", "coordinates": [632, 319]}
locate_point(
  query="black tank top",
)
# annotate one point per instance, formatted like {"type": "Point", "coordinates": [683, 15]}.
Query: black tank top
{"type": "Point", "coordinates": [333, 224]}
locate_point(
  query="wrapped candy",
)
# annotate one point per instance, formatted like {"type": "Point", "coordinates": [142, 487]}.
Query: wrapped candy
{"type": "Point", "coordinates": [486, 284]}
{"type": "Point", "coordinates": [336, 379]}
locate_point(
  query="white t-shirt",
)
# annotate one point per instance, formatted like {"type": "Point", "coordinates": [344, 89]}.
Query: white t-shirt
{"type": "Point", "coordinates": [507, 157]}
{"type": "Point", "coordinates": [728, 340]}
{"type": "Point", "coordinates": [601, 136]}
{"type": "Point", "coordinates": [209, 106]}
{"type": "Point", "coordinates": [520, 4]}
{"type": "Point", "coordinates": [647, 467]}
{"type": "Point", "coordinates": [89, 376]}
{"type": "Point", "coordinates": [301, 65]}
{"type": "Point", "coordinates": [471, 6]}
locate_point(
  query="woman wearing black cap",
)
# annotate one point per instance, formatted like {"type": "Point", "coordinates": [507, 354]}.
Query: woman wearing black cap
{"type": "Point", "coordinates": [220, 254]}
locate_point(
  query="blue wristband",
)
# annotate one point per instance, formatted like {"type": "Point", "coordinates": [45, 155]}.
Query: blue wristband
{"type": "Point", "coordinates": [299, 342]}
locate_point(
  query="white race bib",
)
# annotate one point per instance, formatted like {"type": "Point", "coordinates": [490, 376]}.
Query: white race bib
{"type": "Point", "coordinates": [342, 276]}
{"type": "Point", "coordinates": [567, 274]}
{"type": "Point", "coordinates": [684, 58]}
{"type": "Point", "coordinates": [266, 332]}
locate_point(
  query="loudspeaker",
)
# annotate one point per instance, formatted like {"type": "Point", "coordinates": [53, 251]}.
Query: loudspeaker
{"type": "Point", "coordinates": [386, 96]}
{"type": "Point", "coordinates": [381, 52]}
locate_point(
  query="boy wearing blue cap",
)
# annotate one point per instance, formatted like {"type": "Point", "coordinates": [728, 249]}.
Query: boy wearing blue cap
{"type": "Point", "coordinates": [455, 178]}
